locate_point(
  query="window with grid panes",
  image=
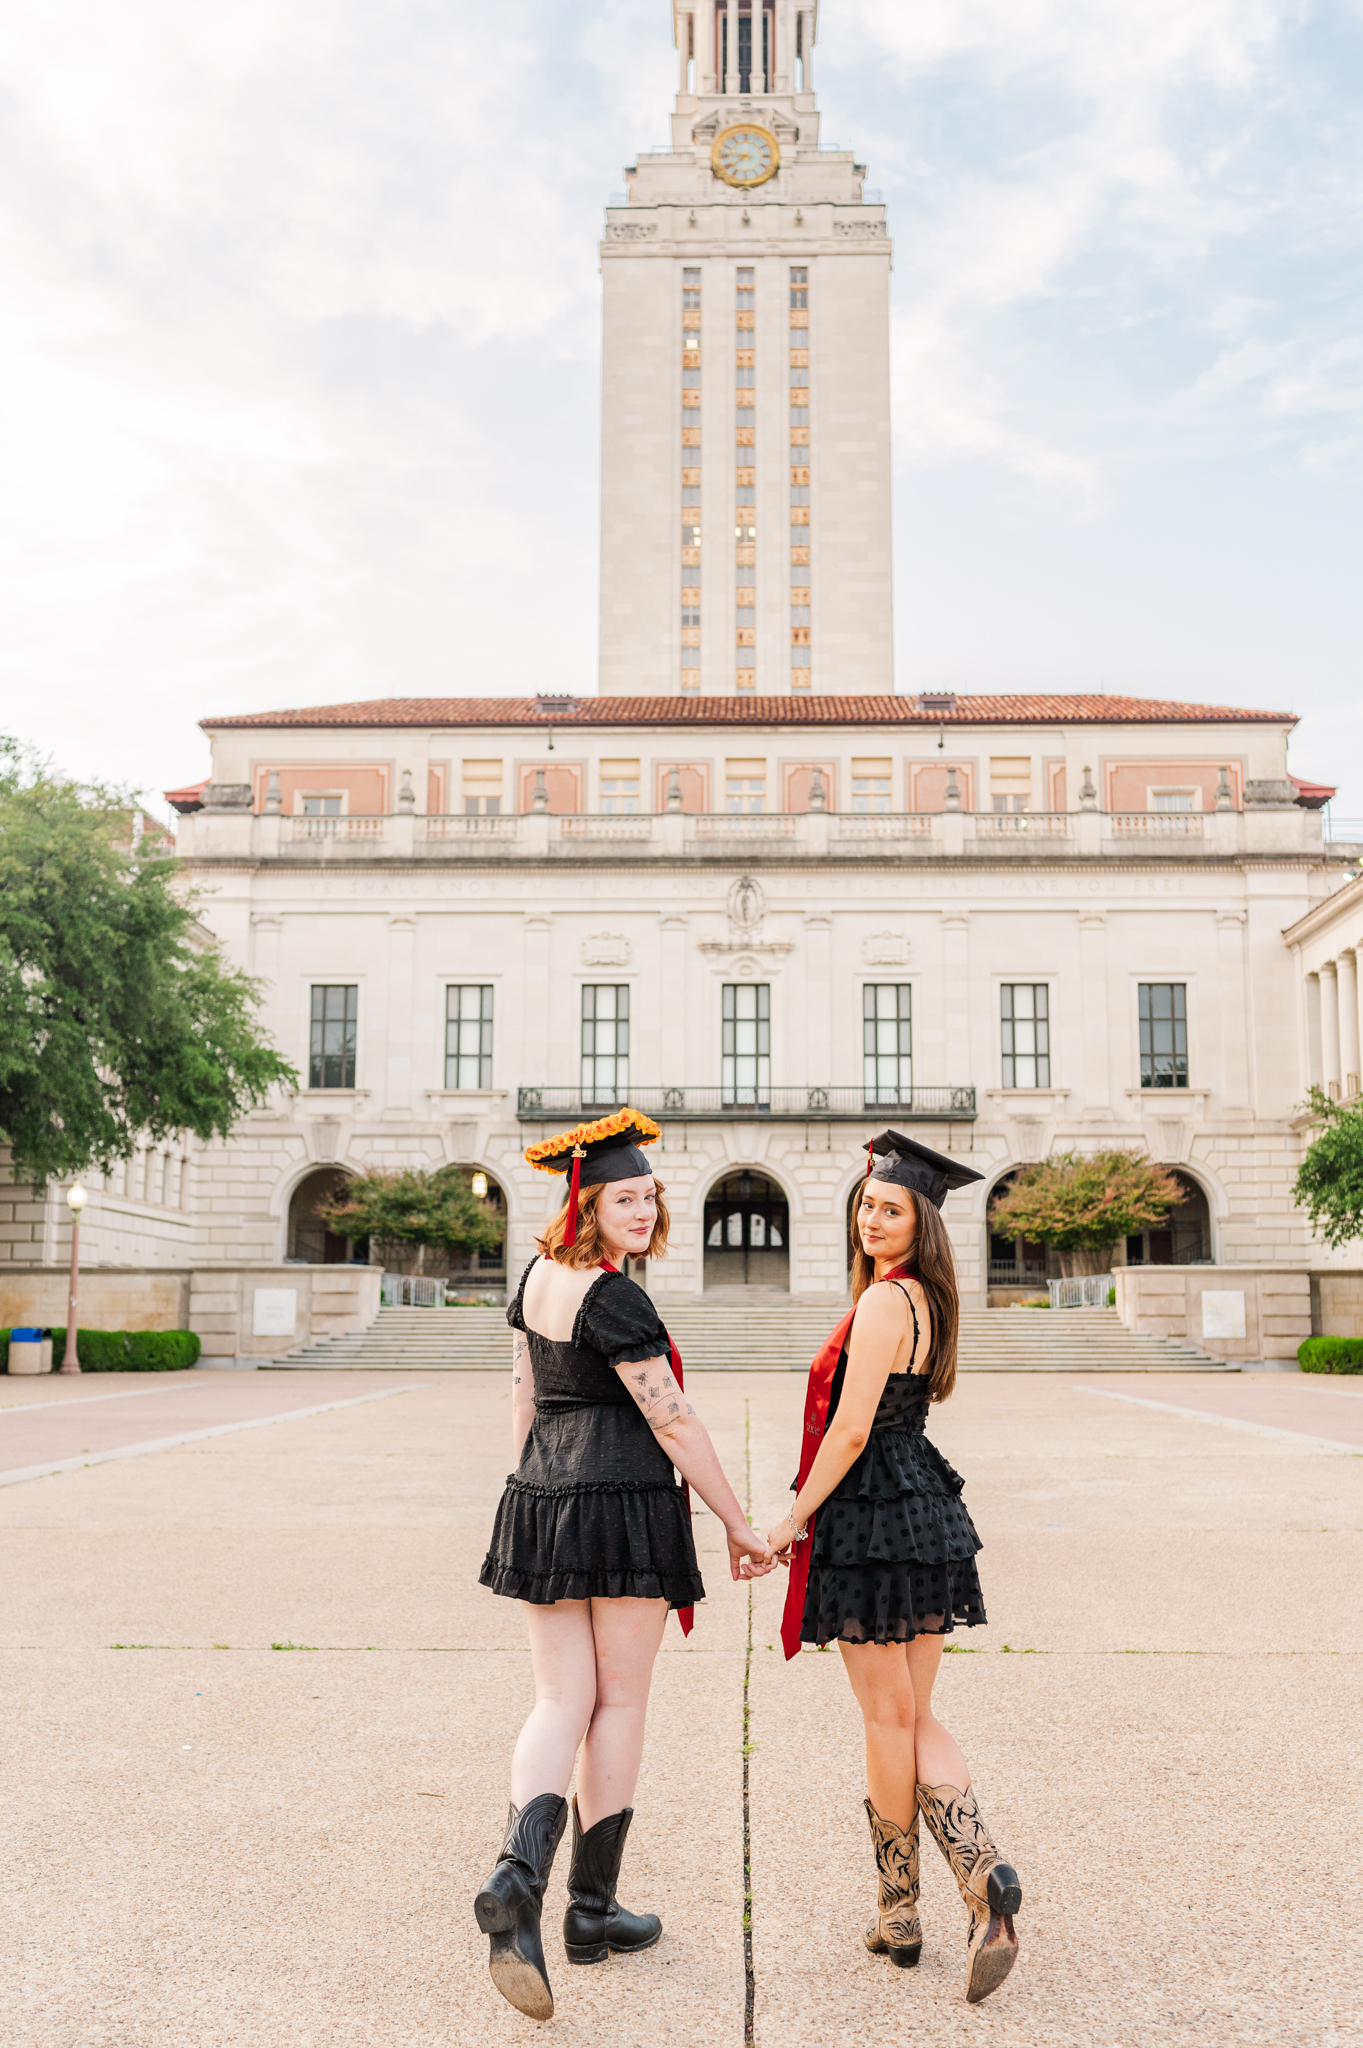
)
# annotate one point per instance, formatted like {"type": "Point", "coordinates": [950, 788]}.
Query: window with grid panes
{"type": "Point", "coordinates": [745, 1059]}
{"type": "Point", "coordinates": [745, 786]}
{"type": "Point", "coordinates": [1026, 1021]}
{"type": "Point", "coordinates": [468, 1036]}
{"type": "Point", "coordinates": [605, 1043]}
{"type": "Point", "coordinates": [1163, 1014]}
{"type": "Point", "coordinates": [886, 1044]}
{"type": "Point", "coordinates": [335, 1012]}
{"type": "Point", "coordinates": [871, 782]}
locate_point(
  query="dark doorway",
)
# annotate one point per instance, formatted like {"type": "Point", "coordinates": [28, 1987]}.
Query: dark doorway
{"type": "Point", "coordinates": [474, 1270]}
{"type": "Point", "coordinates": [747, 1233]}
{"type": "Point", "coordinates": [1183, 1239]}
{"type": "Point", "coordinates": [310, 1242]}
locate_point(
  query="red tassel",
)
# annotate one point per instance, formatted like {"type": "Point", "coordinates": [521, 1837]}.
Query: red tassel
{"type": "Point", "coordinates": [870, 1158]}
{"type": "Point", "coordinates": [570, 1234]}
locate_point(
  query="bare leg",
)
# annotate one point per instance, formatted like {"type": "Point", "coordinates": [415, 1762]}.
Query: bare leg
{"type": "Point", "coordinates": [627, 1634]}
{"type": "Point", "coordinates": [939, 1759]}
{"type": "Point", "coordinates": [563, 1655]}
{"type": "Point", "coordinates": [880, 1678]}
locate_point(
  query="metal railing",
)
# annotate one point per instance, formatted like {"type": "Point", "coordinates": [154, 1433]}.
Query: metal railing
{"type": "Point", "coordinates": [410, 1290]}
{"type": "Point", "coordinates": [788, 1105]}
{"type": "Point", "coordinates": [1088, 1290]}
{"type": "Point", "coordinates": [1005, 1273]}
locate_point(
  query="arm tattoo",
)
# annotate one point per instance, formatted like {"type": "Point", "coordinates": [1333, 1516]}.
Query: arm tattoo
{"type": "Point", "coordinates": [659, 1397]}
{"type": "Point", "coordinates": [520, 1358]}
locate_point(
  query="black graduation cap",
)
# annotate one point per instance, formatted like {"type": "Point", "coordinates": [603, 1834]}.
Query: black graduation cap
{"type": "Point", "coordinates": [907, 1164]}
{"type": "Point", "coordinates": [593, 1154]}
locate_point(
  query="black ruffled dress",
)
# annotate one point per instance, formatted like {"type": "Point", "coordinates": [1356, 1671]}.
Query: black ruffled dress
{"type": "Point", "coordinates": [893, 1548]}
{"type": "Point", "coordinates": [595, 1509]}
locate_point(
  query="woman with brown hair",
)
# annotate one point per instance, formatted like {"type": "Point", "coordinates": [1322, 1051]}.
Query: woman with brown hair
{"type": "Point", "coordinates": [882, 1551]}
{"type": "Point", "coordinates": [593, 1536]}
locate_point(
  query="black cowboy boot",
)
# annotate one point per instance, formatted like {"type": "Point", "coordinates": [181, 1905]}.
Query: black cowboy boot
{"type": "Point", "coordinates": [508, 1906]}
{"type": "Point", "coordinates": [896, 1930]}
{"type": "Point", "coordinates": [989, 1887]}
{"type": "Point", "coordinates": [595, 1922]}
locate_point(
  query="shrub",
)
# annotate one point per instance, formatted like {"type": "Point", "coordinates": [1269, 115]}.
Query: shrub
{"type": "Point", "coordinates": [1331, 1354]}
{"type": "Point", "coordinates": [126, 1350]}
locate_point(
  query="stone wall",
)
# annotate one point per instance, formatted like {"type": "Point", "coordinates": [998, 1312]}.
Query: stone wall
{"type": "Point", "coordinates": [1337, 1304]}
{"type": "Point", "coordinates": [227, 1311]}
{"type": "Point", "coordinates": [109, 1300]}
{"type": "Point", "coordinates": [1254, 1312]}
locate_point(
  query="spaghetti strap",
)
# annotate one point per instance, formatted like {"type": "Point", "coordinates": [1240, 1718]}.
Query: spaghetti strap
{"type": "Point", "coordinates": [914, 1313]}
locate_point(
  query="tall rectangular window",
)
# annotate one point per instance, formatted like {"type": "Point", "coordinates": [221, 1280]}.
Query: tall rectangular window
{"type": "Point", "coordinates": [468, 1036]}
{"type": "Point", "coordinates": [690, 490]}
{"type": "Point", "coordinates": [1163, 1009]}
{"type": "Point", "coordinates": [1026, 1019]}
{"type": "Point", "coordinates": [886, 1044]}
{"type": "Point", "coordinates": [746, 1049]}
{"type": "Point", "coordinates": [605, 1043]}
{"type": "Point", "coordinates": [745, 786]}
{"type": "Point", "coordinates": [800, 477]}
{"type": "Point", "coordinates": [619, 786]}
{"type": "Point", "coordinates": [335, 1010]}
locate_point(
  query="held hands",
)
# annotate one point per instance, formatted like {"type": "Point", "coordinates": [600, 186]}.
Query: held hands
{"type": "Point", "coordinates": [749, 1556]}
{"type": "Point", "coordinates": [781, 1540]}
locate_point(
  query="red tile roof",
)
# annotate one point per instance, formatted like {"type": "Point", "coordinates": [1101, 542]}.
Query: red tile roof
{"type": "Point", "coordinates": [749, 711]}
{"type": "Point", "coordinates": [1312, 796]}
{"type": "Point", "coordinates": [190, 798]}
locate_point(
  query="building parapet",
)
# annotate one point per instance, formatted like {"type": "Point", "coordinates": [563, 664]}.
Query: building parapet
{"type": "Point", "coordinates": [235, 835]}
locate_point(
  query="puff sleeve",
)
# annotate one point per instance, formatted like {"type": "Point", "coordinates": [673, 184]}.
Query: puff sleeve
{"type": "Point", "coordinates": [618, 1320]}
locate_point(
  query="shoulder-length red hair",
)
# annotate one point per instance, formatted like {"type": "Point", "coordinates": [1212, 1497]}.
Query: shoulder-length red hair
{"type": "Point", "coordinates": [934, 1268]}
{"type": "Point", "coordinates": [588, 1249]}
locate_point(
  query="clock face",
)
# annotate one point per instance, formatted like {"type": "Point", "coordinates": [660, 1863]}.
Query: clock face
{"type": "Point", "coordinates": [745, 156]}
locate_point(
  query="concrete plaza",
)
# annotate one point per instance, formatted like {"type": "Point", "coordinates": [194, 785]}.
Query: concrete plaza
{"type": "Point", "coordinates": [260, 1715]}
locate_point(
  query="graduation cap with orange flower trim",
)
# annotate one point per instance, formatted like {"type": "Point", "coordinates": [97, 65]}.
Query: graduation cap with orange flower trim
{"type": "Point", "coordinates": [592, 1154]}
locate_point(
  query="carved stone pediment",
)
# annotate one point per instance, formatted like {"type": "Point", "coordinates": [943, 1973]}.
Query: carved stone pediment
{"type": "Point", "coordinates": [886, 949]}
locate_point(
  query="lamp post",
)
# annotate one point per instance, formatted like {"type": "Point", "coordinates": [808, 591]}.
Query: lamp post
{"type": "Point", "coordinates": [76, 1198]}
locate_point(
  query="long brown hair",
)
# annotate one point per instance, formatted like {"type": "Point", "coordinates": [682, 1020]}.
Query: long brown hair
{"type": "Point", "coordinates": [934, 1267]}
{"type": "Point", "coordinates": [588, 1249]}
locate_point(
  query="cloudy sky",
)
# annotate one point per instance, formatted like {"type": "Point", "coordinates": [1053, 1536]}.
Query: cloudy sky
{"type": "Point", "coordinates": [299, 320]}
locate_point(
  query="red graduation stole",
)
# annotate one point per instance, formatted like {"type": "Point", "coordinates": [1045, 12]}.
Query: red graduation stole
{"type": "Point", "coordinates": [818, 1393]}
{"type": "Point", "coordinates": [685, 1615]}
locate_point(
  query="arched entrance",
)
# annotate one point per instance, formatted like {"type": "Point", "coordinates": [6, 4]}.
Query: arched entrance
{"type": "Point", "coordinates": [310, 1242]}
{"type": "Point", "coordinates": [1185, 1236]}
{"type": "Point", "coordinates": [481, 1270]}
{"type": "Point", "coordinates": [747, 1233]}
{"type": "Point", "coordinates": [1017, 1266]}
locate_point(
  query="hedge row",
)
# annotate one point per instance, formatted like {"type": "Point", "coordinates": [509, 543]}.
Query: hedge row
{"type": "Point", "coordinates": [125, 1350]}
{"type": "Point", "coordinates": [1331, 1354]}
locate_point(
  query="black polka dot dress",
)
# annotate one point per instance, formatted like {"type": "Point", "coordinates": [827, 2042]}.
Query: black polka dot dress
{"type": "Point", "coordinates": [893, 1548]}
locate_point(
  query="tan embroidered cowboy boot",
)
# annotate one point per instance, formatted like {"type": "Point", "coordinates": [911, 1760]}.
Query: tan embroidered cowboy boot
{"type": "Point", "coordinates": [896, 1930]}
{"type": "Point", "coordinates": [988, 1885]}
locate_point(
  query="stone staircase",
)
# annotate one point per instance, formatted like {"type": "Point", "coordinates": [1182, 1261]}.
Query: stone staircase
{"type": "Point", "coordinates": [775, 1336]}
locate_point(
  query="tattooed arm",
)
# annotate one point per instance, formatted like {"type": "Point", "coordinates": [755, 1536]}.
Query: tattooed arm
{"type": "Point", "coordinates": [522, 1393]}
{"type": "Point", "coordinates": [684, 1437]}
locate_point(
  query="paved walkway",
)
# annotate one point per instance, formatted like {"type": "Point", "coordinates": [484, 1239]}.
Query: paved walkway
{"type": "Point", "coordinates": [217, 1842]}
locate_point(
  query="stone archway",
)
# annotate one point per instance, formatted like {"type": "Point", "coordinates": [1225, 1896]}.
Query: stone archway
{"type": "Point", "coordinates": [310, 1243]}
{"type": "Point", "coordinates": [1185, 1236]}
{"type": "Point", "coordinates": [747, 1233]}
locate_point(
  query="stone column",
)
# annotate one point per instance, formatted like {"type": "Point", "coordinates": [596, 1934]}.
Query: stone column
{"type": "Point", "coordinates": [1230, 947]}
{"type": "Point", "coordinates": [1349, 1051]}
{"type": "Point", "coordinates": [1093, 984]}
{"type": "Point", "coordinates": [674, 1071]}
{"type": "Point", "coordinates": [535, 1009]}
{"type": "Point", "coordinates": [1329, 1027]}
{"type": "Point", "coordinates": [956, 999]}
{"type": "Point", "coordinates": [1315, 1066]}
{"type": "Point", "coordinates": [818, 1062]}
{"type": "Point", "coordinates": [398, 1078]}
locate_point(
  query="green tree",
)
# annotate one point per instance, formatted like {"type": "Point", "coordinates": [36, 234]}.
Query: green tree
{"type": "Point", "coordinates": [1083, 1203]}
{"type": "Point", "coordinates": [119, 1020]}
{"type": "Point", "coordinates": [401, 1211]}
{"type": "Point", "coordinates": [1329, 1183]}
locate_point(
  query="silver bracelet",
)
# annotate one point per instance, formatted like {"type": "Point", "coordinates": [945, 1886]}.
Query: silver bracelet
{"type": "Point", "coordinates": [796, 1535]}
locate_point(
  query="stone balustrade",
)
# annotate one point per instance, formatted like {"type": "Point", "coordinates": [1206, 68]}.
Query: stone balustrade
{"type": "Point", "coordinates": [1262, 833]}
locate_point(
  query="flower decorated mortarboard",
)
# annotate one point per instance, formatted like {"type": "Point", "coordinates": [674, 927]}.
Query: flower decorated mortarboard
{"type": "Point", "coordinates": [907, 1164]}
{"type": "Point", "coordinates": [593, 1154]}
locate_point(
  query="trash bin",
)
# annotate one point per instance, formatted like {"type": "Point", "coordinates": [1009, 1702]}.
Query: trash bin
{"type": "Point", "coordinates": [26, 1351]}
{"type": "Point", "coordinates": [45, 1363]}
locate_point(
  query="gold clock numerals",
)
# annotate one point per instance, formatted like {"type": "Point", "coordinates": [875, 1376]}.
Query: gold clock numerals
{"type": "Point", "coordinates": [745, 155]}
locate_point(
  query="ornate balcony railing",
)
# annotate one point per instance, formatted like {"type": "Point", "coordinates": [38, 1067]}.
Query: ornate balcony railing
{"type": "Point", "coordinates": [783, 1105]}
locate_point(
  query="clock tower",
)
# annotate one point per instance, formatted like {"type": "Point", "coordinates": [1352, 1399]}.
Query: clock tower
{"type": "Point", "coordinates": [745, 517]}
